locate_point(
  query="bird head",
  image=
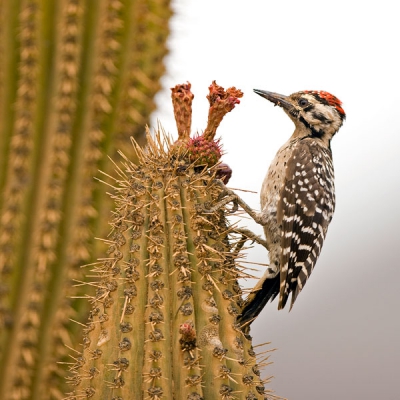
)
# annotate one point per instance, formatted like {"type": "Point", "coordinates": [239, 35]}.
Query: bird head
{"type": "Point", "coordinates": [315, 113]}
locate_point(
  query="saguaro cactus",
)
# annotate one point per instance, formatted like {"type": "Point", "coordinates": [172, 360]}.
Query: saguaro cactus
{"type": "Point", "coordinates": [163, 318]}
{"type": "Point", "coordinates": [77, 79]}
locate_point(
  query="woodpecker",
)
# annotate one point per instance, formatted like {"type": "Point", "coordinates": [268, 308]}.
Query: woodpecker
{"type": "Point", "coordinates": [297, 197]}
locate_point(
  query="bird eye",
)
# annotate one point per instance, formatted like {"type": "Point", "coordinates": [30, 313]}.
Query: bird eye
{"type": "Point", "coordinates": [303, 102]}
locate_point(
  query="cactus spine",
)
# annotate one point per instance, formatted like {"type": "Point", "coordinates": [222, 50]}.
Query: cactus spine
{"type": "Point", "coordinates": [163, 318]}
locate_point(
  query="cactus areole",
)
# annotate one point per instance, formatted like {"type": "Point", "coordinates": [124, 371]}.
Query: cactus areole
{"type": "Point", "coordinates": [163, 318]}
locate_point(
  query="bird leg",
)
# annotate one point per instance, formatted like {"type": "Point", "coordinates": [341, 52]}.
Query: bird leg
{"type": "Point", "coordinates": [228, 196]}
{"type": "Point", "coordinates": [249, 235]}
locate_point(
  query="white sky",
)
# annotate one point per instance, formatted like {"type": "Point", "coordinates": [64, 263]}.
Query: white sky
{"type": "Point", "coordinates": [342, 338]}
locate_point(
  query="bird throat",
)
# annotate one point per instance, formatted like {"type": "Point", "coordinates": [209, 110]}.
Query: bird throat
{"type": "Point", "coordinates": [314, 132]}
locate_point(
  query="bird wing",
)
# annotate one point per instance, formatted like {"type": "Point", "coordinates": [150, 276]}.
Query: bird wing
{"type": "Point", "coordinates": [305, 209]}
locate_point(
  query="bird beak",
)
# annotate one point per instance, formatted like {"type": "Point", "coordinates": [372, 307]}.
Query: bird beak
{"type": "Point", "coordinates": [276, 98]}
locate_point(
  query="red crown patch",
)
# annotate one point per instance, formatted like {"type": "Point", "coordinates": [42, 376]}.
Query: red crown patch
{"type": "Point", "coordinates": [329, 99]}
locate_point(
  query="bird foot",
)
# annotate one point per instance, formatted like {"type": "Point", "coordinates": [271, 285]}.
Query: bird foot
{"type": "Point", "coordinates": [249, 235]}
{"type": "Point", "coordinates": [229, 196]}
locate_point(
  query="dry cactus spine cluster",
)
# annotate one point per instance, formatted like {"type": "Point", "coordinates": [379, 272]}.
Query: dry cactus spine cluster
{"type": "Point", "coordinates": [163, 318]}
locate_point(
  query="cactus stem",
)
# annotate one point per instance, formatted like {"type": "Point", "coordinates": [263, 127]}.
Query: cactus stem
{"type": "Point", "coordinates": [163, 318]}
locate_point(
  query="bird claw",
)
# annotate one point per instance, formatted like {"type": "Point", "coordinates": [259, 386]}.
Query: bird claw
{"type": "Point", "coordinates": [235, 206]}
{"type": "Point", "coordinates": [229, 196]}
{"type": "Point", "coordinates": [222, 203]}
{"type": "Point", "coordinates": [225, 197]}
{"type": "Point", "coordinates": [249, 235]}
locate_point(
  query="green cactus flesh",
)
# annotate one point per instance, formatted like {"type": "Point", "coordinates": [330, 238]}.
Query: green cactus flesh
{"type": "Point", "coordinates": [77, 80]}
{"type": "Point", "coordinates": [163, 318]}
